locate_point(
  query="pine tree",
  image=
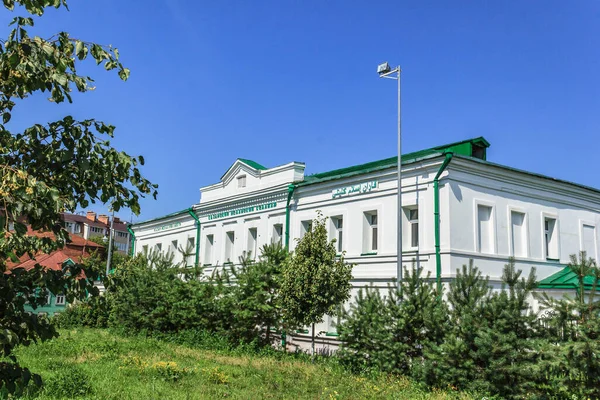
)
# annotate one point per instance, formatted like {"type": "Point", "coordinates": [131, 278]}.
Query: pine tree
{"type": "Point", "coordinates": [390, 333]}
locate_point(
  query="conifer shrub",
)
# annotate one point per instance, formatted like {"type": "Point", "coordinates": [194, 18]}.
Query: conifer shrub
{"type": "Point", "coordinates": [390, 332]}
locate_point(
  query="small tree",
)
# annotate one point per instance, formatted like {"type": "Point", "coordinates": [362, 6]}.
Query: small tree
{"type": "Point", "coordinates": [315, 281]}
{"type": "Point", "coordinates": [254, 291]}
{"type": "Point", "coordinates": [390, 333]}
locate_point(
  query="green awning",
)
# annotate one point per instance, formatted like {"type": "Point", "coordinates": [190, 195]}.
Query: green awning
{"type": "Point", "coordinates": [565, 279]}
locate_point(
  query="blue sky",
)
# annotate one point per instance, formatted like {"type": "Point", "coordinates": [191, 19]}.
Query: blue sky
{"type": "Point", "coordinates": [280, 81]}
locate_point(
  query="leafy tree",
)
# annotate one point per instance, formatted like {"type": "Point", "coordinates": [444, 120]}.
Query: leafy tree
{"type": "Point", "coordinates": [315, 281]}
{"type": "Point", "coordinates": [390, 333]}
{"type": "Point", "coordinates": [48, 168]}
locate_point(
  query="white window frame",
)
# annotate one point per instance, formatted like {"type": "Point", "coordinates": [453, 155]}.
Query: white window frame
{"type": "Point", "coordinates": [229, 242]}
{"type": "Point", "coordinates": [241, 181]}
{"type": "Point", "coordinates": [583, 223]}
{"type": "Point", "coordinates": [305, 226]}
{"type": "Point", "coordinates": [511, 250]}
{"type": "Point", "coordinates": [277, 237]}
{"type": "Point", "coordinates": [545, 252]}
{"type": "Point", "coordinates": [60, 300]}
{"type": "Point", "coordinates": [209, 248]}
{"type": "Point", "coordinates": [407, 228]}
{"type": "Point", "coordinates": [336, 232]}
{"type": "Point", "coordinates": [252, 241]}
{"type": "Point", "coordinates": [367, 237]}
{"type": "Point", "coordinates": [477, 203]}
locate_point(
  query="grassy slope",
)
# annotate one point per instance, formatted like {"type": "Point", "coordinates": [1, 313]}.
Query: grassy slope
{"type": "Point", "coordinates": [134, 368]}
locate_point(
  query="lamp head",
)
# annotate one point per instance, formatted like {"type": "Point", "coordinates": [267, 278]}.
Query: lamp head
{"type": "Point", "coordinates": [383, 68]}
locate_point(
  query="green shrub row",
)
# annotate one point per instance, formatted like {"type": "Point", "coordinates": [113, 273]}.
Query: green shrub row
{"type": "Point", "coordinates": [477, 339]}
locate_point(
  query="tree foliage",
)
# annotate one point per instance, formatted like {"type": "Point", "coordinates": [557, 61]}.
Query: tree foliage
{"type": "Point", "coordinates": [48, 168]}
{"type": "Point", "coordinates": [316, 280]}
{"type": "Point", "coordinates": [390, 333]}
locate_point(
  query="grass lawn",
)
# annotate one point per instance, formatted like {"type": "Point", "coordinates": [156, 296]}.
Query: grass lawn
{"type": "Point", "coordinates": [98, 364]}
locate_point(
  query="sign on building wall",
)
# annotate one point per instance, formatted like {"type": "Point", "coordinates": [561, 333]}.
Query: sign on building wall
{"type": "Point", "coordinates": [359, 188]}
{"type": "Point", "coordinates": [245, 210]}
{"type": "Point", "coordinates": [166, 227]}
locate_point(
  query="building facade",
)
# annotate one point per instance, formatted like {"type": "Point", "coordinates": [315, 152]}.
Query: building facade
{"type": "Point", "coordinates": [457, 206]}
{"type": "Point", "coordinates": [93, 225]}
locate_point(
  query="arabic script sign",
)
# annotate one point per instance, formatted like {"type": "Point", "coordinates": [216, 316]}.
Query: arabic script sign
{"type": "Point", "coordinates": [354, 189]}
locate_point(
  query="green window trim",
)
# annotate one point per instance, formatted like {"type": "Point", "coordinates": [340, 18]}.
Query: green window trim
{"type": "Point", "coordinates": [333, 334]}
{"type": "Point", "coordinates": [552, 259]}
{"type": "Point", "coordinates": [373, 253]}
{"type": "Point", "coordinates": [305, 331]}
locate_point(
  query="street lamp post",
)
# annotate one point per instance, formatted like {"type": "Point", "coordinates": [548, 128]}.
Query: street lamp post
{"type": "Point", "coordinates": [385, 71]}
{"type": "Point", "coordinates": [110, 243]}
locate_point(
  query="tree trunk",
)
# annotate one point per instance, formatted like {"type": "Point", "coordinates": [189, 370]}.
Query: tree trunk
{"type": "Point", "coordinates": [312, 344]}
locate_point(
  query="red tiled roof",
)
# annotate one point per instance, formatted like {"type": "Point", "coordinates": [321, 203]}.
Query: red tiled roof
{"type": "Point", "coordinates": [77, 249]}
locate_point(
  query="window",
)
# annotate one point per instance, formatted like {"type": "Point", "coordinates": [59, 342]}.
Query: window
{"type": "Point", "coordinates": [60, 300]}
{"type": "Point", "coordinates": [485, 229]}
{"type": "Point", "coordinates": [306, 227]}
{"type": "Point", "coordinates": [145, 249]}
{"type": "Point", "coordinates": [95, 229]}
{"type": "Point", "coordinates": [412, 215]}
{"type": "Point", "coordinates": [122, 234]}
{"type": "Point", "coordinates": [338, 232]}
{"type": "Point", "coordinates": [277, 233]}
{"type": "Point", "coordinates": [551, 238]}
{"type": "Point", "coordinates": [69, 226]}
{"type": "Point", "coordinates": [158, 247]}
{"type": "Point", "coordinates": [518, 234]}
{"type": "Point", "coordinates": [208, 250]}
{"type": "Point", "coordinates": [173, 247]}
{"type": "Point", "coordinates": [191, 248]}
{"type": "Point", "coordinates": [252, 243]}
{"type": "Point", "coordinates": [370, 232]}
{"type": "Point", "coordinates": [120, 246]}
{"type": "Point", "coordinates": [229, 244]}
{"type": "Point", "coordinates": [589, 240]}
{"type": "Point", "coordinates": [77, 228]}
{"type": "Point", "coordinates": [241, 180]}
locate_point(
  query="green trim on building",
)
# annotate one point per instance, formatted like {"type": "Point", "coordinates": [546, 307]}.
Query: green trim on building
{"type": "Point", "coordinates": [252, 164]}
{"type": "Point", "coordinates": [475, 148]}
{"type": "Point", "coordinates": [565, 279]}
{"type": "Point", "coordinates": [185, 211]}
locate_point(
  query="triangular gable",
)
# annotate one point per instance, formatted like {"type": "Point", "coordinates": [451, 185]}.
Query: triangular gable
{"type": "Point", "coordinates": [249, 166]}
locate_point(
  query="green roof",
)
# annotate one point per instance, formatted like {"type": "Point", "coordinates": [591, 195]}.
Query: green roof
{"type": "Point", "coordinates": [471, 148]}
{"type": "Point", "coordinates": [565, 279]}
{"type": "Point", "coordinates": [186, 211]}
{"type": "Point", "coordinates": [251, 163]}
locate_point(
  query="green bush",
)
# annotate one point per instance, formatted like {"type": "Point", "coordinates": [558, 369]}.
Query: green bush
{"type": "Point", "coordinates": [389, 334]}
{"type": "Point", "coordinates": [92, 313]}
{"type": "Point", "coordinates": [69, 382]}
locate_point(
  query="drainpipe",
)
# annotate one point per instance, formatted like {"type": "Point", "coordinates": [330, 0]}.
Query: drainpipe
{"type": "Point", "coordinates": [436, 217]}
{"type": "Point", "coordinates": [132, 240]}
{"type": "Point", "coordinates": [291, 189]}
{"type": "Point", "coordinates": [193, 214]}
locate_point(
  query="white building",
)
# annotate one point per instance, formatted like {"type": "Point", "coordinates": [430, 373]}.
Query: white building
{"type": "Point", "coordinates": [487, 212]}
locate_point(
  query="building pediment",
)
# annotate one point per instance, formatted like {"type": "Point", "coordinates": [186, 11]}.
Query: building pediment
{"type": "Point", "coordinates": [241, 167]}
